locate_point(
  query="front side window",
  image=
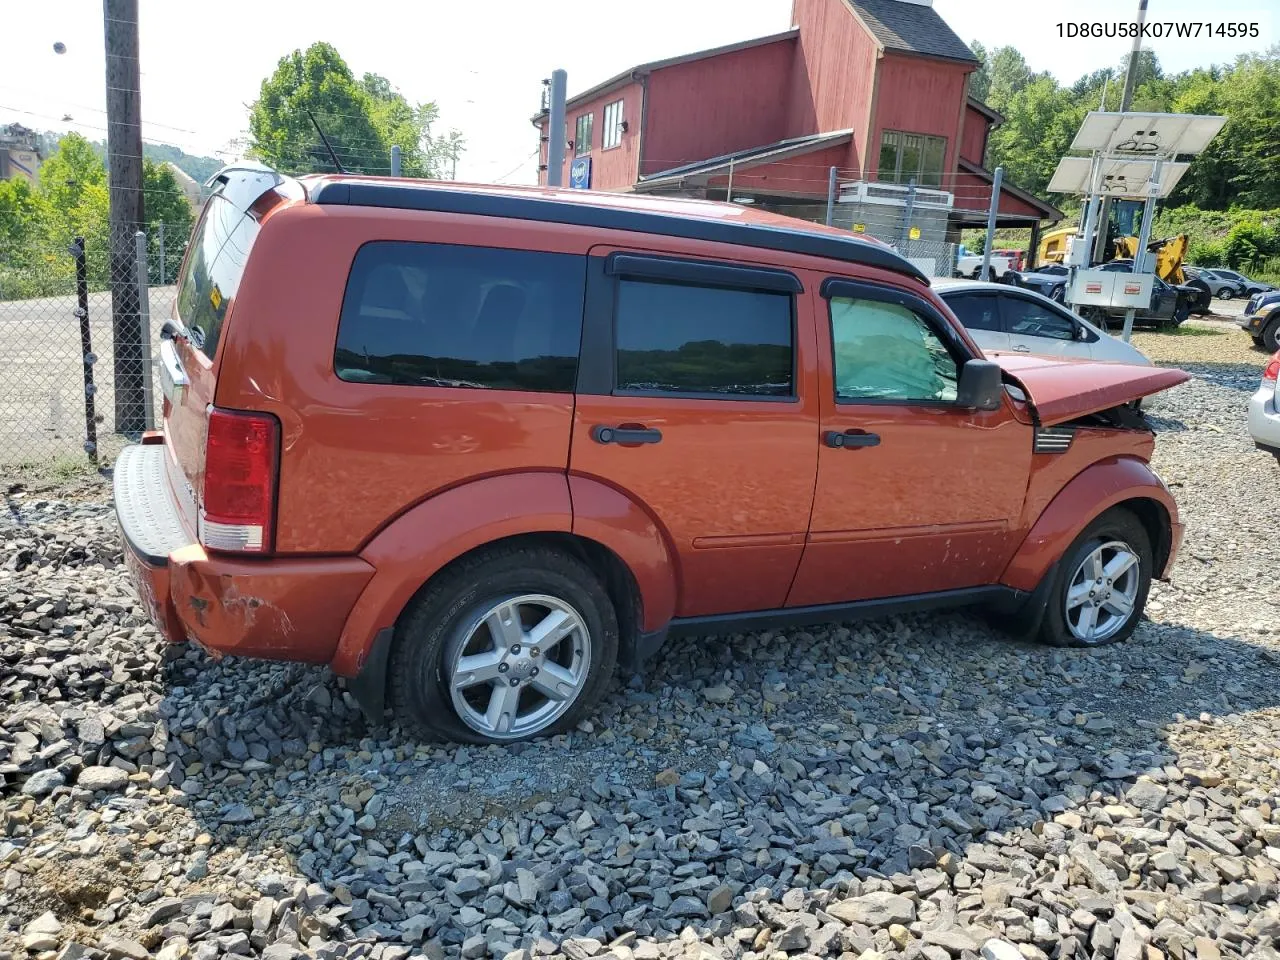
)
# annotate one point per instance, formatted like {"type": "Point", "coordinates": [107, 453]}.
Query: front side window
{"type": "Point", "coordinates": [885, 351]}
{"type": "Point", "coordinates": [438, 315]}
{"type": "Point", "coordinates": [611, 135]}
{"type": "Point", "coordinates": [976, 311]}
{"type": "Point", "coordinates": [1026, 318]}
{"type": "Point", "coordinates": [582, 135]}
{"type": "Point", "coordinates": [715, 341]}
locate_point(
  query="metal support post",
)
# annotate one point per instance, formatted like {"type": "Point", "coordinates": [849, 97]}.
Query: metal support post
{"type": "Point", "coordinates": [1140, 256]}
{"type": "Point", "coordinates": [144, 331]}
{"type": "Point", "coordinates": [395, 159]}
{"type": "Point", "coordinates": [86, 350]}
{"type": "Point", "coordinates": [160, 241]}
{"type": "Point", "coordinates": [905, 234]}
{"type": "Point", "coordinates": [996, 181]}
{"type": "Point", "coordinates": [831, 196]}
{"type": "Point", "coordinates": [556, 129]}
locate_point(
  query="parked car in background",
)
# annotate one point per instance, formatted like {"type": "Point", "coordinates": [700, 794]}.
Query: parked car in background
{"type": "Point", "coordinates": [1261, 320]}
{"type": "Point", "coordinates": [970, 264]}
{"type": "Point", "coordinates": [1049, 280]}
{"type": "Point", "coordinates": [1170, 303]}
{"type": "Point", "coordinates": [1210, 286]}
{"type": "Point", "coordinates": [1223, 288]}
{"type": "Point", "coordinates": [1264, 409]}
{"type": "Point", "coordinates": [1003, 319]}
{"type": "Point", "coordinates": [1016, 258]}
{"type": "Point", "coordinates": [473, 447]}
{"type": "Point", "coordinates": [1248, 287]}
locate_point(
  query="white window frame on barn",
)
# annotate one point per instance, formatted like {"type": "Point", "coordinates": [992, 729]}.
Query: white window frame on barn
{"type": "Point", "coordinates": [611, 133]}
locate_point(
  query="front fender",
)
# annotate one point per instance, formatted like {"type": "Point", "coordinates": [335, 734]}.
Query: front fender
{"type": "Point", "coordinates": [1093, 491]}
{"type": "Point", "coordinates": [417, 544]}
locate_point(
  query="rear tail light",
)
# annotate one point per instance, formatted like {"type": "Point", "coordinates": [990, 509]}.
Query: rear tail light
{"type": "Point", "coordinates": [237, 509]}
{"type": "Point", "coordinates": [1272, 371]}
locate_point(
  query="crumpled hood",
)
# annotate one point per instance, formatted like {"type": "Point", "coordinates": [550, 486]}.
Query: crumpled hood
{"type": "Point", "coordinates": [1061, 390]}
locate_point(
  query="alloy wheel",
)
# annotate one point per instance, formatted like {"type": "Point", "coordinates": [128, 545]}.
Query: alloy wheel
{"type": "Point", "coordinates": [1102, 592]}
{"type": "Point", "coordinates": [517, 665]}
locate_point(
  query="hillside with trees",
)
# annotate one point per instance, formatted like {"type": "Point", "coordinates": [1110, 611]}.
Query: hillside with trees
{"type": "Point", "coordinates": [1229, 200]}
{"type": "Point", "coordinates": [70, 199]}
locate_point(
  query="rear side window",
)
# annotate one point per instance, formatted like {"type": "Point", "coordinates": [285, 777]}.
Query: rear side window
{"type": "Point", "coordinates": [219, 250]}
{"type": "Point", "coordinates": [975, 311]}
{"type": "Point", "coordinates": [1027, 318]}
{"type": "Point", "coordinates": [715, 341]}
{"type": "Point", "coordinates": [438, 315]}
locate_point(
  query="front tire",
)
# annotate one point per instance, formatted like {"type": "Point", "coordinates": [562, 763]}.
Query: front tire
{"type": "Point", "coordinates": [1100, 587]}
{"type": "Point", "coordinates": [514, 643]}
{"type": "Point", "coordinates": [1271, 336]}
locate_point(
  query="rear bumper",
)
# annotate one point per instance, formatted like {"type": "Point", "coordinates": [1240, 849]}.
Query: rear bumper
{"type": "Point", "coordinates": [273, 608]}
{"type": "Point", "coordinates": [1264, 419]}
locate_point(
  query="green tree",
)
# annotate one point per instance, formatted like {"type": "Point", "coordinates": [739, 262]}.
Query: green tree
{"type": "Point", "coordinates": [409, 127]}
{"type": "Point", "coordinates": [69, 175]}
{"type": "Point", "coordinates": [1041, 120]}
{"type": "Point", "coordinates": [980, 79]}
{"type": "Point", "coordinates": [165, 203]}
{"type": "Point", "coordinates": [1009, 74]}
{"type": "Point", "coordinates": [361, 119]}
{"type": "Point", "coordinates": [317, 80]}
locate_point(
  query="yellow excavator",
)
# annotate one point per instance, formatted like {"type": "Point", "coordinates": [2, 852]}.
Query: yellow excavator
{"type": "Point", "coordinates": [1169, 252]}
{"type": "Point", "coordinates": [1122, 244]}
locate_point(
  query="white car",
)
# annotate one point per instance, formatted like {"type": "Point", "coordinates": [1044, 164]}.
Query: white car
{"type": "Point", "coordinates": [1264, 410]}
{"type": "Point", "coordinates": [970, 265]}
{"type": "Point", "coordinates": [1005, 319]}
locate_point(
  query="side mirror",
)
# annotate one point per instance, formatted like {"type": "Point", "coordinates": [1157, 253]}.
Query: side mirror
{"type": "Point", "coordinates": [981, 385]}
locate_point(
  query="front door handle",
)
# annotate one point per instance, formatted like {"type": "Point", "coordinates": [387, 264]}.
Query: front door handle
{"type": "Point", "coordinates": [1022, 348]}
{"type": "Point", "coordinates": [604, 434]}
{"type": "Point", "coordinates": [850, 439]}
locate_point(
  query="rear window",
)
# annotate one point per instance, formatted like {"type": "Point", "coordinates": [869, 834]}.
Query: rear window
{"type": "Point", "coordinates": [706, 341]}
{"type": "Point", "coordinates": [211, 276]}
{"type": "Point", "coordinates": [430, 314]}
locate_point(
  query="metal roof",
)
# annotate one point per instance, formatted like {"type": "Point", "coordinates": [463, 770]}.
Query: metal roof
{"type": "Point", "coordinates": [750, 157]}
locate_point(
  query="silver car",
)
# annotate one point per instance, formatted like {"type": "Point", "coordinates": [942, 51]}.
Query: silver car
{"type": "Point", "coordinates": [1004, 319]}
{"type": "Point", "coordinates": [1264, 410]}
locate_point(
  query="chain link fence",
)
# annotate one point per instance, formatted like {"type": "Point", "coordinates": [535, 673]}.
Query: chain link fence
{"type": "Point", "coordinates": [79, 320]}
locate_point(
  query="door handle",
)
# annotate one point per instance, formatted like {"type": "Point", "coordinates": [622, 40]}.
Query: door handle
{"type": "Point", "coordinates": [604, 434]}
{"type": "Point", "coordinates": [1022, 348]}
{"type": "Point", "coordinates": [851, 438]}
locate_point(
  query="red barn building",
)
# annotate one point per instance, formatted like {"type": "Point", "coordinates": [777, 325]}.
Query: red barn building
{"type": "Point", "coordinates": [878, 89]}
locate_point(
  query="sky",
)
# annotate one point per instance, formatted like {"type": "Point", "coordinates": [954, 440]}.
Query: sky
{"type": "Point", "coordinates": [483, 62]}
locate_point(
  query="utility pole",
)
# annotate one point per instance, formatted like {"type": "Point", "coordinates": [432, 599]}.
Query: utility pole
{"type": "Point", "coordinates": [124, 179]}
{"type": "Point", "coordinates": [996, 182]}
{"type": "Point", "coordinates": [555, 129]}
{"type": "Point", "coordinates": [1126, 98]}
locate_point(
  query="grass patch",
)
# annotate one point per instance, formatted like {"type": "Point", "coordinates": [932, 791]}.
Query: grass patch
{"type": "Point", "coordinates": [1187, 331]}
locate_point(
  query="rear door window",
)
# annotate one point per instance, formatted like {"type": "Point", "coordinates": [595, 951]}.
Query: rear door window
{"type": "Point", "coordinates": [1026, 318]}
{"type": "Point", "coordinates": [440, 315]}
{"type": "Point", "coordinates": [977, 311]}
{"type": "Point", "coordinates": [211, 276]}
{"type": "Point", "coordinates": [682, 338]}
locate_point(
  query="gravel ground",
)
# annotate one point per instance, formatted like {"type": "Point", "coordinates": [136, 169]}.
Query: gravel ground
{"type": "Point", "coordinates": [913, 787]}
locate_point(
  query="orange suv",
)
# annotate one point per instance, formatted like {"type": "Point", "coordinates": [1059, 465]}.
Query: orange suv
{"type": "Point", "coordinates": [473, 446]}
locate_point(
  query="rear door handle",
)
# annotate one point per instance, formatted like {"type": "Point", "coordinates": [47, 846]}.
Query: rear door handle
{"type": "Point", "coordinates": [851, 438]}
{"type": "Point", "coordinates": [604, 434]}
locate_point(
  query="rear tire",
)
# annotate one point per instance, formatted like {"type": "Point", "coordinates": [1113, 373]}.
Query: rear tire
{"type": "Point", "coordinates": [1095, 599]}
{"type": "Point", "coordinates": [519, 588]}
